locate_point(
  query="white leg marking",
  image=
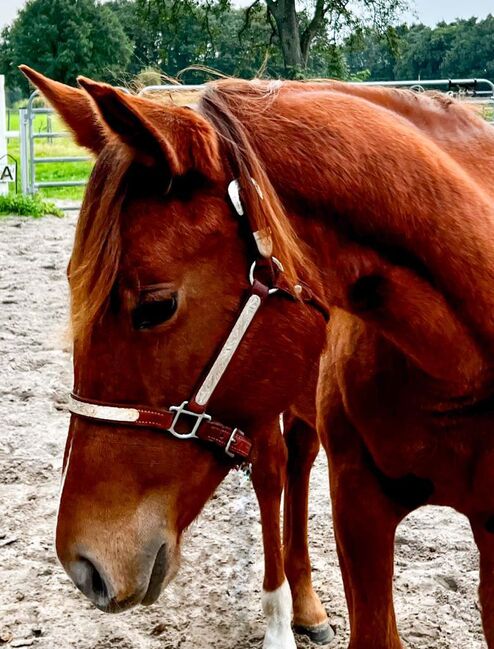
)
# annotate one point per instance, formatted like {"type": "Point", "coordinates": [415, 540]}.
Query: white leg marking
{"type": "Point", "coordinates": [277, 607]}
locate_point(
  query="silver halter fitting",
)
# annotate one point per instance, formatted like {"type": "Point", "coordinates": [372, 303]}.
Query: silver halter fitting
{"type": "Point", "coordinates": [262, 238]}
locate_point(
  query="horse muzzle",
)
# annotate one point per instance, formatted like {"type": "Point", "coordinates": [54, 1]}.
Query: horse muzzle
{"type": "Point", "coordinates": [114, 590]}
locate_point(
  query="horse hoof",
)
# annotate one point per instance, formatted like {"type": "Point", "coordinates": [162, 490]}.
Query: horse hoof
{"type": "Point", "coordinates": [322, 634]}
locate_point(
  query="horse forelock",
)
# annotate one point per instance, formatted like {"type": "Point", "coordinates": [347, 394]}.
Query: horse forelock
{"type": "Point", "coordinates": [97, 246]}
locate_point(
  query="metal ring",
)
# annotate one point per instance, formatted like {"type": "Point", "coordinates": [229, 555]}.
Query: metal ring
{"type": "Point", "coordinates": [276, 262]}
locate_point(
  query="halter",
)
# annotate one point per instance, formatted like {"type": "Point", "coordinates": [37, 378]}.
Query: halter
{"type": "Point", "coordinates": [190, 419]}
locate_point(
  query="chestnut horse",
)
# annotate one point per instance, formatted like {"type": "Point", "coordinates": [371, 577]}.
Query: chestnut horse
{"type": "Point", "coordinates": [377, 204]}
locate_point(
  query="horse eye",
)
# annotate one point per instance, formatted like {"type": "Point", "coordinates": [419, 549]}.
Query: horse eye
{"type": "Point", "coordinates": [152, 313]}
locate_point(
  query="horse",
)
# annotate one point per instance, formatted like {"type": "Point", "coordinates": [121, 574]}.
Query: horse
{"type": "Point", "coordinates": [376, 204]}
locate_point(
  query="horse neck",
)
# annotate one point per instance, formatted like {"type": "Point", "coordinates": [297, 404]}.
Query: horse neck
{"type": "Point", "coordinates": [358, 170]}
{"type": "Point", "coordinates": [455, 127]}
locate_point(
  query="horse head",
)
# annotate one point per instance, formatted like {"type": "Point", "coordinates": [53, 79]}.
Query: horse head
{"type": "Point", "coordinates": [159, 274]}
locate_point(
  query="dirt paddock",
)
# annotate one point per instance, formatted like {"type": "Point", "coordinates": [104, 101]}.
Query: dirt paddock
{"type": "Point", "coordinates": [215, 600]}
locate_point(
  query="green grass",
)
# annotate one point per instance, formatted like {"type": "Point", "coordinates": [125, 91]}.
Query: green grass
{"type": "Point", "coordinates": [40, 123]}
{"type": "Point", "coordinates": [33, 206]}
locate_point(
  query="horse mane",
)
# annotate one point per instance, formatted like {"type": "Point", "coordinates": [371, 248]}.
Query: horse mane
{"type": "Point", "coordinates": [262, 203]}
{"type": "Point", "coordinates": [431, 108]}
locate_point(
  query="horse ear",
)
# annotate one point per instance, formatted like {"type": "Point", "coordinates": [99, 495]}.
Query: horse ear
{"type": "Point", "coordinates": [180, 137]}
{"type": "Point", "coordinates": [74, 107]}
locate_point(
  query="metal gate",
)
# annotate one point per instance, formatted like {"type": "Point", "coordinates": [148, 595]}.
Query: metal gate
{"type": "Point", "coordinates": [30, 158]}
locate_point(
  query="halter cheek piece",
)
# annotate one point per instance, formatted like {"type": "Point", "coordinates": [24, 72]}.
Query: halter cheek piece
{"type": "Point", "coordinates": [190, 420]}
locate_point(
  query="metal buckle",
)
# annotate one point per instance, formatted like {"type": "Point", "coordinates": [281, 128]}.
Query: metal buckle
{"type": "Point", "coordinates": [230, 442]}
{"type": "Point", "coordinates": [182, 410]}
{"type": "Point", "coordinates": [252, 271]}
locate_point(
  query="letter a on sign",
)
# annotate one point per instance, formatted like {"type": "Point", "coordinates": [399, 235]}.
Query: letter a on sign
{"type": "Point", "coordinates": [7, 174]}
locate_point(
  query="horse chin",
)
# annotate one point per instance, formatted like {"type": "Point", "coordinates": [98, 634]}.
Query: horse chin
{"type": "Point", "coordinates": [164, 571]}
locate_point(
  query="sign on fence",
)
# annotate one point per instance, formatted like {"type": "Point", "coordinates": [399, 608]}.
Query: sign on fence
{"type": "Point", "coordinates": [8, 170]}
{"type": "Point", "coordinates": [8, 174]}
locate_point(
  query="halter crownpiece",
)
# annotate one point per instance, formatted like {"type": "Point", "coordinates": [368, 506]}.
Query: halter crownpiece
{"type": "Point", "coordinates": [190, 420]}
{"type": "Point", "coordinates": [262, 238]}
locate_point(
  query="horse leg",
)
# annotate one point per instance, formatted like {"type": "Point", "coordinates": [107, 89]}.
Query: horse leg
{"type": "Point", "coordinates": [483, 531]}
{"type": "Point", "coordinates": [365, 521]}
{"type": "Point", "coordinates": [309, 616]}
{"type": "Point", "coordinates": [365, 526]}
{"type": "Point", "coordinates": [268, 478]}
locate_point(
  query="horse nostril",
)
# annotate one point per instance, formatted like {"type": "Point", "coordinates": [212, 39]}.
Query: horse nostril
{"type": "Point", "coordinates": [89, 580]}
{"type": "Point", "coordinates": [97, 582]}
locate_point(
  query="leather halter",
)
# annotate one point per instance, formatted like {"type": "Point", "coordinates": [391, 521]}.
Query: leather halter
{"type": "Point", "coordinates": [190, 420]}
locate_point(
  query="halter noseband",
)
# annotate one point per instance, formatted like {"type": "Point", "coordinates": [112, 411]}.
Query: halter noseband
{"type": "Point", "coordinates": [190, 420]}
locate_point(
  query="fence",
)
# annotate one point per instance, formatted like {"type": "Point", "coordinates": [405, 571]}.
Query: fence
{"type": "Point", "coordinates": [477, 91]}
{"type": "Point", "coordinates": [29, 159]}
{"type": "Point", "coordinates": [28, 137]}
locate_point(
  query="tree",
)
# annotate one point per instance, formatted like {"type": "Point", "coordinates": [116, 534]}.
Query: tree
{"type": "Point", "coordinates": [244, 49]}
{"type": "Point", "coordinates": [65, 38]}
{"type": "Point", "coordinates": [210, 34]}
{"type": "Point", "coordinates": [181, 31]}
{"type": "Point", "coordinates": [424, 51]}
{"type": "Point", "coordinates": [306, 34]}
{"type": "Point", "coordinates": [471, 50]}
{"type": "Point", "coordinates": [140, 32]}
{"type": "Point", "coordinates": [373, 54]}
{"type": "Point", "coordinates": [298, 29]}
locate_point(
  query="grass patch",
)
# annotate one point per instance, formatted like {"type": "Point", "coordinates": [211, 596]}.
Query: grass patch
{"type": "Point", "coordinates": [34, 206]}
{"type": "Point", "coordinates": [51, 171]}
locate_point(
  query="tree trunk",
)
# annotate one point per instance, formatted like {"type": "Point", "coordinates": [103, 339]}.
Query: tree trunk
{"type": "Point", "coordinates": [285, 16]}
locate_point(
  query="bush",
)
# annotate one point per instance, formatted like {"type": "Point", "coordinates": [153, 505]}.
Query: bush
{"type": "Point", "coordinates": [23, 205]}
{"type": "Point", "coordinates": [148, 77]}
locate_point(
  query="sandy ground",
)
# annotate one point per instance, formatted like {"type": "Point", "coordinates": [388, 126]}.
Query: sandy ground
{"type": "Point", "coordinates": [216, 605]}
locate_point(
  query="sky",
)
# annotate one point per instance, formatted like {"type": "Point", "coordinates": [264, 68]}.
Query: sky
{"type": "Point", "coordinates": [427, 11]}
{"type": "Point", "coordinates": [431, 12]}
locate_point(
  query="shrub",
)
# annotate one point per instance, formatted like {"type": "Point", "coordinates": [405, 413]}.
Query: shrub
{"type": "Point", "coordinates": [148, 77]}
{"type": "Point", "coordinates": [23, 205]}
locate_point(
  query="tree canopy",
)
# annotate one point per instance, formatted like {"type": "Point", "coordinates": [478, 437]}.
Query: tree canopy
{"type": "Point", "coordinates": [120, 40]}
{"type": "Point", "coordinates": [464, 48]}
{"type": "Point", "coordinates": [298, 38]}
{"type": "Point", "coordinates": [65, 38]}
